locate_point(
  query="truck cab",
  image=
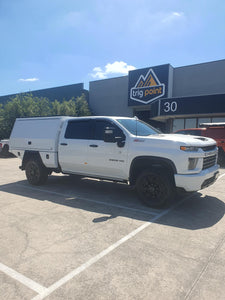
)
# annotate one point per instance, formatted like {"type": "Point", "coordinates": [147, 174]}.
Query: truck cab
{"type": "Point", "coordinates": [84, 148]}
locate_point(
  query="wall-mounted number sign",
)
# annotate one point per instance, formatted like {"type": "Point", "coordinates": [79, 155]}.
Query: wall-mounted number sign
{"type": "Point", "coordinates": [170, 106]}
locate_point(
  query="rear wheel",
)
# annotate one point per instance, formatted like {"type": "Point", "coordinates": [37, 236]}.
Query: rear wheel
{"type": "Point", "coordinates": [5, 151]}
{"type": "Point", "coordinates": [154, 188]}
{"type": "Point", "coordinates": [36, 173]}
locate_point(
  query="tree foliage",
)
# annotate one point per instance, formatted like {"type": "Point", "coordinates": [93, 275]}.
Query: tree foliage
{"type": "Point", "coordinates": [26, 105]}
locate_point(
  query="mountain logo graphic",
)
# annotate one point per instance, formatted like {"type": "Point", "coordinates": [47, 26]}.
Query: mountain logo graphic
{"type": "Point", "coordinates": [147, 88]}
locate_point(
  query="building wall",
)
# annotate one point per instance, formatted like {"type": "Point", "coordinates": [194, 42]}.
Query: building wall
{"type": "Point", "coordinates": [57, 93]}
{"type": "Point", "coordinates": [201, 79]}
{"type": "Point", "coordinates": [109, 97]}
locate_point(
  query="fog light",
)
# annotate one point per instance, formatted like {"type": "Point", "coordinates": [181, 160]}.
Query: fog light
{"type": "Point", "coordinates": [192, 163]}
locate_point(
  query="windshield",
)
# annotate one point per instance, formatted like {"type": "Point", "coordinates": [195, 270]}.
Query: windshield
{"type": "Point", "coordinates": [137, 127]}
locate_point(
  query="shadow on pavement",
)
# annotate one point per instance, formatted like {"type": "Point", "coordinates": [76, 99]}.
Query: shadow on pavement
{"type": "Point", "coordinates": [4, 154]}
{"type": "Point", "coordinates": [200, 211]}
{"type": "Point", "coordinates": [113, 200]}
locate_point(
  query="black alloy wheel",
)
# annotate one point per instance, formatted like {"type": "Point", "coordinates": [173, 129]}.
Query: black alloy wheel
{"type": "Point", "coordinates": [36, 173]}
{"type": "Point", "coordinates": [154, 188]}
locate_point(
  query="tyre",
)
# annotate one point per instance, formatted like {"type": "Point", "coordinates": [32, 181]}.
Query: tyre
{"type": "Point", "coordinates": [155, 188]}
{"type": "Point", "coordinates": [36, 173]}
{"type": "Point", "coordinates": [6, 148]}
{"type": "Point", "coordinates": [5, 151]}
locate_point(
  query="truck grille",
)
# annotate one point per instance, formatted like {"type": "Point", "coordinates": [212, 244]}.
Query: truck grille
{"type": "Point", "coordinates": [209, 148]}
{"type": "Point", "coordinates": [209, 161]}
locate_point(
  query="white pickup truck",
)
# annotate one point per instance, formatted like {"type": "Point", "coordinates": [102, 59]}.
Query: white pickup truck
{"type": "Point", "coordinates": [115, 148]}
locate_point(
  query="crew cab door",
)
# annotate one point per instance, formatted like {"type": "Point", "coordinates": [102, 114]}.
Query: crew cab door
{"type": "Point", "coordinates": [73, 146]}
{"type": "Point", "coordinates": [107, 159]}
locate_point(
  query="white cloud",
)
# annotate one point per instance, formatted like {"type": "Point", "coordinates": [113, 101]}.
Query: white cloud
{"type": "Point", "coordinates": [28, 79]}
{"type": "Point", "coordinates": [98, 73]}
{"type": "Point", "coordinates": [118, 67]}
{"type": "Point", "coordinates": [173, 16]}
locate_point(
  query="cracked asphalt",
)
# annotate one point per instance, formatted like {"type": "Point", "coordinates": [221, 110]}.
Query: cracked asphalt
{"type": "Point", "coordinates": [79, 238]}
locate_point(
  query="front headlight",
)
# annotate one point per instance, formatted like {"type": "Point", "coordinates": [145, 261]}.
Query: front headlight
{"type": "Point", "coordinates": [189, 148]}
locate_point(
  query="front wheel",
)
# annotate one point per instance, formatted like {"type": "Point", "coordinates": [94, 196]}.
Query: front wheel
{"type": "Point", "coordinates": [36, 173]}
{"type": "Point", "coordinates": [154, 188]}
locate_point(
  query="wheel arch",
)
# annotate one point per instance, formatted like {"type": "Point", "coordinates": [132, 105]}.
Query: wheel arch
{"type": "Point", "coordinates": [28, 155]}
{"type": "Point", "coordinates": [139, 164]}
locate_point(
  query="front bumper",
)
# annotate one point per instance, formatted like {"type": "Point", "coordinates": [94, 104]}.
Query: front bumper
{"type": "Point", "coordinates": [195, 182]}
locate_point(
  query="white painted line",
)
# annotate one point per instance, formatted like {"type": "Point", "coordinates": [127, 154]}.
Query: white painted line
{"type": "Point", "coordinates": [22, 279]}
{"type": "Point", "coordinates": [149, 212]}
{"type": "Point", "coordinates": [105, 252]}
{"type": "Point", "coordinates": [221, 176]}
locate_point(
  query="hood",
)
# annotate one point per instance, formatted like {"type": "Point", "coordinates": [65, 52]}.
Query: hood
{"type": "Point", "coordinates": [182, 139]}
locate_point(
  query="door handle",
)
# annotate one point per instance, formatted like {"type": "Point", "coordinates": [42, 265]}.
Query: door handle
{"type": "Point", "coordinates": [93, 146]}
{"type": "Point", "coordinates": [63, 144]}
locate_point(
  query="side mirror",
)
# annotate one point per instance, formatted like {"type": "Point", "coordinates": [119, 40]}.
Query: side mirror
{"type": "Point", "coordinates": [109, 137]}
{"type": "Point", "coordinates": [120, 141]}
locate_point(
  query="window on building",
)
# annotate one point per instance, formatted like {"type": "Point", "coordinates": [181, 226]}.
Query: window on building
{"type": "Point", "coordinates": [178, 124]}
{"type": "Point", "coordinates": [190, 123]}
{"type": "Point", "coordinates": [203, 120]}
{"type": "Point", "coordinates": [218, 119]}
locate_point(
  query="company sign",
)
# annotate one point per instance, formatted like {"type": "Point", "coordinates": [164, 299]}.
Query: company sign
{"type": "Point", "coordinates": [147, 85]}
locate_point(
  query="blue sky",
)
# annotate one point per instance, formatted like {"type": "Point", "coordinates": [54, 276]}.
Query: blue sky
{"type": "Point", "coordinates": [49, 43]}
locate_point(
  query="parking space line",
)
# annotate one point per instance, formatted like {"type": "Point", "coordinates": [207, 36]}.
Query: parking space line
{"type": "Point", "coordinates": [22, 279]}
{"type": "Point", "coordinates": [221, 176]}
{"type": "Point", "coordinates": [105, 252]}
{"type": "Point", "coordinates": [154, 212]}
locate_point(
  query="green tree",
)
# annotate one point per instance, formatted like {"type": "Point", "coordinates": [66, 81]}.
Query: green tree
{"type": "Point", "coordinates": [11, 110]}
{"type": "Point", "coordinates": [56, 108]}
{"type": "Point", "coordinates": [68, 108]}
{"type": "Point", "coordinates": [82, 106]}
{"type": "Point", "coordinates": [73, 107]}
{"type": "Point", "coordinates": [26, 105]}
{"type": "Point", "coordinates": [44, 108]}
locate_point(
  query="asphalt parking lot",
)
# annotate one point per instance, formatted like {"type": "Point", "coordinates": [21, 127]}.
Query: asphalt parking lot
{"type": "Point", "coordinates": [79, 238]}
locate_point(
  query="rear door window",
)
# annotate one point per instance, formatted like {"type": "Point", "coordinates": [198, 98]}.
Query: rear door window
{"type": "Point", "coordinates": [78, 130]}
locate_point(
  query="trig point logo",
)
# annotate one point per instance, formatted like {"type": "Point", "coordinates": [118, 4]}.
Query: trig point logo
{"type": "Point", "coordinates": [147, 88]}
